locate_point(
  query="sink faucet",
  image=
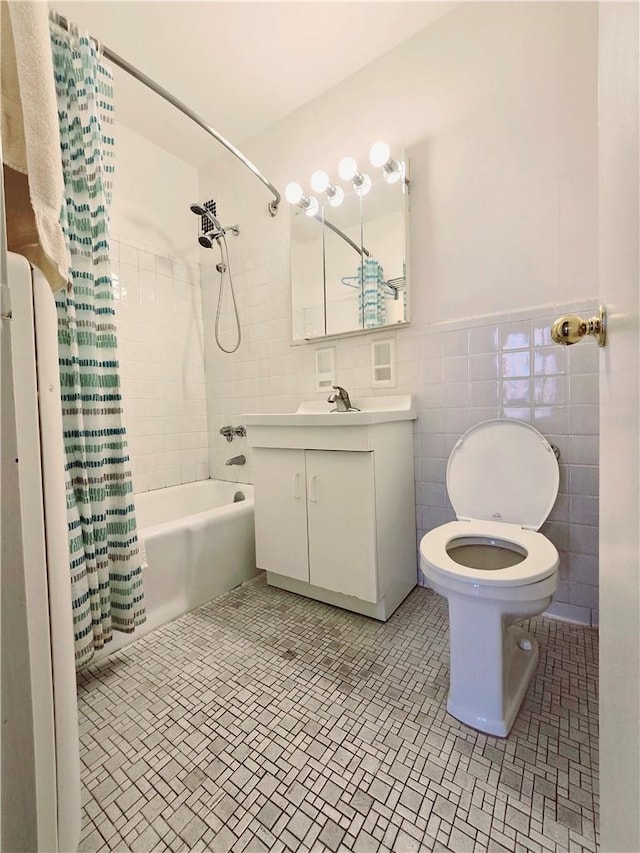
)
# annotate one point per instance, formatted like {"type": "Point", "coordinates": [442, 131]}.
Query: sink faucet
{"type": "Point", "coordinates": [236, 460]}
{"type": "Point", "coordinates": [341, 399]}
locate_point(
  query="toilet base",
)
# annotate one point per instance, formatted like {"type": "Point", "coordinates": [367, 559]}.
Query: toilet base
{"type": "Point", "coordinates": [521, 655]}
{"type": "Point", "coordinates": [491, 659]}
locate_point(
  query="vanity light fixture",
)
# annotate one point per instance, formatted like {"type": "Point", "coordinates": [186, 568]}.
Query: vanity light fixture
{"type": "Point", "coordinates": [380, 157]}
{"type": "Point", "coordinates": [320, 183]}
{"type": "Point", "coordinates": [294, 195]}
{"type": "Point", "coordinates": [348, 171]}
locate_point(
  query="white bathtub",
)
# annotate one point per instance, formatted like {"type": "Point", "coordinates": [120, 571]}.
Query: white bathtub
{"type": "Point", "coordinates": [199, 544]}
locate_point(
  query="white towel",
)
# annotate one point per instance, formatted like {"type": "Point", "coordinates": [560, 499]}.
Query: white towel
{"type": "Point", "coordinates": [34, 183]}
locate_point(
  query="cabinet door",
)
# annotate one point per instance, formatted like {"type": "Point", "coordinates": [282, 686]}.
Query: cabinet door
{"type": "Point", "coordinates": [281, 512]}
{"type": "Point", "coordinates": [342, 523]}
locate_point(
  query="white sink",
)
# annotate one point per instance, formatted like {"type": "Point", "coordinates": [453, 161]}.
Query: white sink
{"type": "Point", "coordinates": [313, 413]}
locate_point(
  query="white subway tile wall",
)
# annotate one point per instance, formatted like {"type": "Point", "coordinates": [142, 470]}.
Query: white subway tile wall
{"type": "Point", "coordinates": [460, 373]}
{"type": "Point", "coordinates": [161, 353]}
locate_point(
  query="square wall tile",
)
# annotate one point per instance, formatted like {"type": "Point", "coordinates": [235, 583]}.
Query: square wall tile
{"type": "Point", "coordinates": [516, 392]}
{"type": "Point", "coordinates": [584, 480]}
{"type": "Point", "coordinates": [516, 364]}
{"type": "Point", "coordinates": [483, 366]}
{"type": "Point", "coordinates": [549, 361]}
{"type": "Point", "coordinates": [484, 339]}
{"type": "Point", "coordinates": [584, 388]}
{"type": "Point", "coordinates": [541, 331]}
{"type": "Point", "coordinates": [550, 390]}
{"type": "Point", "coordinates": [455, 343]}
{"type": "Point", "coordinates": [515, 336]}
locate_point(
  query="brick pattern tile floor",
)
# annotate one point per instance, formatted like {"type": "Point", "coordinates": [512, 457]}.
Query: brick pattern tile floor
{"type": "Point", "coordinates": [267, 721]}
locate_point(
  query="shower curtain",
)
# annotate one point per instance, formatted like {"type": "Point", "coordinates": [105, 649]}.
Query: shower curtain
{"type": "Point", "coordinates": [106, 563]}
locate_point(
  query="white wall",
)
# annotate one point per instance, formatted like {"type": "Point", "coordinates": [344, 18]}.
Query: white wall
{"type": "Point", "coordinates": [154, 254]}
{"type": "Point", "coordinates": [151, 196]}
{"type": "Point", "coordinates": [496, 106]}
{"type": "Point", "coordinates": [620, 428]}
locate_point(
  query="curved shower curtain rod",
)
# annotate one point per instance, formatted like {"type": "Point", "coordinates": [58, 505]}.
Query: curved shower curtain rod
{"type": "Point", "coordinates": [159, 90]}
{"type": "Point", "coordinates": [360, 250]}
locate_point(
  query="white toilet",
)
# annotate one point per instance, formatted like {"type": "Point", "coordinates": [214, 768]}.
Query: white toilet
{"type": "Point", "coordinates": [494, 567]}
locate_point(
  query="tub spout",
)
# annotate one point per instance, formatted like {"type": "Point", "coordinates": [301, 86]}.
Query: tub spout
{"type": "Point", "coordinates": [236, 460]}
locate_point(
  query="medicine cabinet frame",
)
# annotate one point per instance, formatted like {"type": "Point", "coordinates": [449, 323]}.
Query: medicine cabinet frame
{"type": "Point", "coordinates": [326, 304]}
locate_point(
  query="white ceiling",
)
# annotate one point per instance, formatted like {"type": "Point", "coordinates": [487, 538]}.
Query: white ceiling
{"type": "Point", "coordinates": [240, 66]}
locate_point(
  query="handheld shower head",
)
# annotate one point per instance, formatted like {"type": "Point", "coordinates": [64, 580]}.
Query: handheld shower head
{"type": "Point", "coordinates": [201, 210]}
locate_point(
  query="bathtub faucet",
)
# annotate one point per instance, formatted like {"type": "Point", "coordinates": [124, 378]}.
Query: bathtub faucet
{"type": "Point", "coordinates": [236, 460]}
{"type": "Point", "coordinates": [230, 431]}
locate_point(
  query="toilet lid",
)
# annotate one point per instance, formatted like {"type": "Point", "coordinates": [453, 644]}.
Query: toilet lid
{"type": "Point", "coordinates": [503, 470]}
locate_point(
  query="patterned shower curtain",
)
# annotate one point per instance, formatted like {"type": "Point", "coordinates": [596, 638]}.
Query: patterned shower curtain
{"type": "Point", "coordinates": [106, 562]}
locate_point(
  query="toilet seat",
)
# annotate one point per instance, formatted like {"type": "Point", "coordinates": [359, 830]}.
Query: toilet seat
{"type": "Point", "coordinates": [503, 470]}
{"type": "Point", "coordinates": [485, 476]}
{"type": "Point", "coordinates": [540, 562]}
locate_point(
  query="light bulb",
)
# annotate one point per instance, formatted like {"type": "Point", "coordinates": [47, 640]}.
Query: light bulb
{"type": "Point", "coordinates": [393, 172]}
{"type": "Point", "coordinates": [347, 168]}
{"type": "Point", "coordinates": [363, 185]}
{"type": "Point", "coordinates": [319, 181]}
{"type": "Point", "coordinates": [337, 197]}
{"type": "Point", "coordinates": [293, 193]}
{"type": "Point", "coordinates": [379, 154]}
{"type": "Point", "coordinates": [312, 206]}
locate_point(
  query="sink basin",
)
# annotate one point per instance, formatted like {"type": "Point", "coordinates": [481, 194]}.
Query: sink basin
{"type": "Point", "coordinates": [373, 410]}
{"type": "Point", "coordinates": [313, 426]}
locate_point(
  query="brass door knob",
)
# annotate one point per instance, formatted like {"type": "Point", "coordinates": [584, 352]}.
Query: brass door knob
{"type": "Point", "coordinates": [571, 329]}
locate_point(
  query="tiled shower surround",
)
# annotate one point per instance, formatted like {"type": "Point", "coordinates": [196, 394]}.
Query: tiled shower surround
{"type": "Point", "coordinates": [460, 373]}
{"type": "Point", "coordinates": [265, 721]}
{"type": "Point", "coordinates": [160, 338]}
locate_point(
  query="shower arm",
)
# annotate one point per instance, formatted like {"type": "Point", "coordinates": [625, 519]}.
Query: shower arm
{"type": "Point", "coordinates": [159, 90]}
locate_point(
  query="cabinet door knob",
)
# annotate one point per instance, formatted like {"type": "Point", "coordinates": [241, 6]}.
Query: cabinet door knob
{"type": "Point", "coordinates": [295, 486]}
{"type": "Point", "coordinates": [313, 488]}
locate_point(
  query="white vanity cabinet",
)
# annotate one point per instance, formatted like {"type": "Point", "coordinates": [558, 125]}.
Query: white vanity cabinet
{"type": "Point", "coordinates": [335, 509]}
{"type": "Point", "coordinates": [317, 520]}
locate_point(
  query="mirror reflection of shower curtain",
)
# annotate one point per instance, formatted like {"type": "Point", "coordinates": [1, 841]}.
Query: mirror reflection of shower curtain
{"type": "Point", "coordinates": [106, 563]}
{"type": "Point", "coordinates": [371, 304]}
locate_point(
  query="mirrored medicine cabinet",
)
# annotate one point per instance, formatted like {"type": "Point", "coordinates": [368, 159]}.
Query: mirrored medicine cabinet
{"type": "Point", "coordinates": [349, 263]}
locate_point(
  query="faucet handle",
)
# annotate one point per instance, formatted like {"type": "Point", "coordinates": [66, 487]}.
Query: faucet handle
{"type": "Point", "coordinates": [229, 431]}
{"type": "Point", "coordinates": [341, 399]}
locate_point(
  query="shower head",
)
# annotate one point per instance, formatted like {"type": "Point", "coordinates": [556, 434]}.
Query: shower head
{"type": "Point", "coordinates": [211, 235]}
{"type": "Point", "coordinates": [201, 210]}
{"type": "Point", "coordinates": [207, 240]}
